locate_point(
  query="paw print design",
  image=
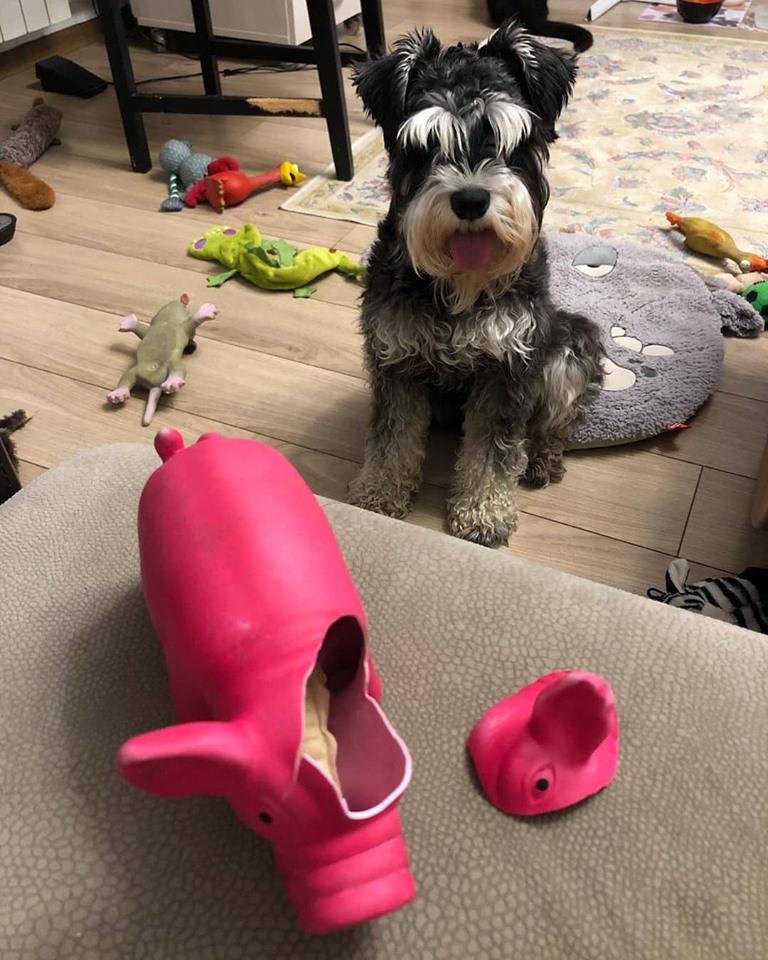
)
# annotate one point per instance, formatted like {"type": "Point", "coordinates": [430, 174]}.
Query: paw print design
{"type": "Point", "coordinates": [622, 378]}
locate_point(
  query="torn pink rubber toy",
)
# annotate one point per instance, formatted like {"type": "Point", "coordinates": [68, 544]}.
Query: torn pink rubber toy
{"type": "Point", "coordinates": [548, 746]}
{"type": "Point", "coordinates": [275, 694]}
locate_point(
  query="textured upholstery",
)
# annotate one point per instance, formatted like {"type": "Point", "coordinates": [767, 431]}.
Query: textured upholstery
{"type": "Point", "coordinates": [670, 862]}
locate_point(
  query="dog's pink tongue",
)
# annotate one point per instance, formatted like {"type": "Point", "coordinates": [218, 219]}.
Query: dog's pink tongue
{"type": "Point", "coordinates": [471, 251]}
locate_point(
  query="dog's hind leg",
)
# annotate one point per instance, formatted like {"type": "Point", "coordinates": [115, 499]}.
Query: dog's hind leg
{"type": "Point", "coordinates": [483, 507]}
{"type": "Point", "coordinates": [395, 448]}
{"type": "Point", "coordinates": [569, 382]}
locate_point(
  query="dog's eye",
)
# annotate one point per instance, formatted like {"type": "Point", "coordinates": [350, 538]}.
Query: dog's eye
{"type": "Point", "coordinates": [597, 261]}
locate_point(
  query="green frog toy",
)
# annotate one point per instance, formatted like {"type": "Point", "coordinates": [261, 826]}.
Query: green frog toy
{"type": "Point", "coordinates": [270, 264]}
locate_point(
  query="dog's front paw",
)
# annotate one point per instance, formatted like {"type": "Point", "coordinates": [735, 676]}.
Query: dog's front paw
{"type": "Point", "coordinates": [544, 468]}
{"type": "Point", "coordinates": [556, 468]}
{"type": "Point", "coordinates": [482, 523]}
{"type": "Point", "coordinates": [537, 474]}
{"type": "Point", "coordinates": [387, 499]}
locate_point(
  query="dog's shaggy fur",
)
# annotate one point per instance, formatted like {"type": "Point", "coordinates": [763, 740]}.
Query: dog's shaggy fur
{"type": "Point", "coordinates": [8, 425]}
{"type": "Point", "coordinates": [457, 311]}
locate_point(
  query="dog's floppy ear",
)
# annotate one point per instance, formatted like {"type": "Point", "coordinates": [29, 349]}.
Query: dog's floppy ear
{"type": "Point", "coordinates": [544, 74]}
{"type": "Point", "coordinates": [383, 84]}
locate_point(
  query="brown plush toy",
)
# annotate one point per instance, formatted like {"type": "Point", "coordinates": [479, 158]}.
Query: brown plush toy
{"type": "Point", "coordinates": [9, 462]}
{"type": "Point", "coordinates": [8, 425]}
{"type": "Point", "coordinates": [28, 142]}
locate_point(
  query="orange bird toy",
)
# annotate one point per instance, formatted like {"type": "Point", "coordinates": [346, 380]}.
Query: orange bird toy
{"type": "Point", "coordinates": [229, 187]}
{"type": "Point", "coordinates": [704, 237]}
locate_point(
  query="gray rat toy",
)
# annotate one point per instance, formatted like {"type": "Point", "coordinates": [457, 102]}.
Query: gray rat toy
{"type": "Point", "coordinates": [164, 341]}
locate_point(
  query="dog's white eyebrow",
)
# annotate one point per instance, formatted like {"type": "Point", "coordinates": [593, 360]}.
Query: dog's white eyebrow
{"type": "Point", "coordinates": [417, 130]}
{"type": "Point", "coordinates": [509, 122]}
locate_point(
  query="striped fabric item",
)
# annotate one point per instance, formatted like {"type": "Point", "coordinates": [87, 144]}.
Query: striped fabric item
{"type": "Point", "coordinates": [742, 600]}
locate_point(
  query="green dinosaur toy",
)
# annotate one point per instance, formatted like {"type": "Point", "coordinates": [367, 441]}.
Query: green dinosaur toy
{"type": "Point", "coordinates": [271, 264]}
{"type": "Point", "coordinates": [164, 341]}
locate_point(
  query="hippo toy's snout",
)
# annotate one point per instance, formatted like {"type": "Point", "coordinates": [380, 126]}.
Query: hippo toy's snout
{"type": "Point", "coordinates": [348, 879]}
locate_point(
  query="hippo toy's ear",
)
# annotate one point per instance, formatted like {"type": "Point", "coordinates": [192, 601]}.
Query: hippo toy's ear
{"type": "Point", "coordinates": [571, 718]}
{"type": "Point", "coordinates": [190, 758]}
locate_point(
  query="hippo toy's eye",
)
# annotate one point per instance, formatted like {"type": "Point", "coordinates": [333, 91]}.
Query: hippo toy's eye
{"type": "Point", "coordinates": [597, 261]}
{"type": "Point", "coordinates": [265, 818]}
{"type": "Point", "coordinates": [542, 784]}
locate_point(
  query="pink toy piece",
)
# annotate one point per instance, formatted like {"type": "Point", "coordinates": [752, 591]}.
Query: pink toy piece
{"type": "Point", "coordinates": [548, 746]}
{"type": "Point", "coordinates": [275, 694]}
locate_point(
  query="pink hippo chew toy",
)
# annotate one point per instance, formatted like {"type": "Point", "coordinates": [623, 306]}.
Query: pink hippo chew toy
{"type": "Point", "coordinates": [548, 746]}
{"type": "Point", "coordinates": [275, 694]}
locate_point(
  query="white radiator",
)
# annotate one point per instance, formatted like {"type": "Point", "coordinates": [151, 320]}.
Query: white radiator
{"type": "Point", "coordinates": [20, 17]}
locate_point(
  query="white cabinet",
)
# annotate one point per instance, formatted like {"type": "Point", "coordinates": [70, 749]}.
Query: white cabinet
{"type": "Point", "coordinates": [270, 21]}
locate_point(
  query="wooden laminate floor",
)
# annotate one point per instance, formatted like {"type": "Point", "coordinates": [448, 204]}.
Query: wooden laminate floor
{"type": "Point", "coordinates": [289, 370]}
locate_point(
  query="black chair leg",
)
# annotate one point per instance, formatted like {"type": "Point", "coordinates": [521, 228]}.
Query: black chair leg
{"type": "Point", "coordinates": [323, 23]}
{"type": "Point", "coordinates": [111, 16]}
{"type": "Point", "coordinates": [209, 63]}
{"type": "Point", "coordinates": [373, 24]}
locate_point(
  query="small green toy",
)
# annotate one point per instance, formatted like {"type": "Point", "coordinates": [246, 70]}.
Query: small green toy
{"type": "Point", "coordinates": [270, 264]}
{"type": "Point", "coordinates": [752, 286]}
{"type": "Point", "coordinates": [164, 341]}
{"type": "Point", "coordinates": [757, 295]}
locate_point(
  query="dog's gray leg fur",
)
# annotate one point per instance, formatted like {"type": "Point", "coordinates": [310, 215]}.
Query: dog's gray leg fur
{"type": "Point", "coordinates": [395, 448]}
{"type": "Point", "coordinates": [492, 457]}
{"type": "Point", "coordinates": [569, 382]}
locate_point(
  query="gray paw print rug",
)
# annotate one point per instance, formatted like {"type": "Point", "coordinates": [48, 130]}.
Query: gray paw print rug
{"type": "Point", "coordinates": [662, 326]}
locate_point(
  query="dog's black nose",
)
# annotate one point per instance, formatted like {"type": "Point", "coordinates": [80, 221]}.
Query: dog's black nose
{"type": "Point", "coordinates": [471, 203]}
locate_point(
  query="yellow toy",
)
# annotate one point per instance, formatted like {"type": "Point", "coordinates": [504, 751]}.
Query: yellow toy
{"type": "Point", "coordinates": [704, 237]}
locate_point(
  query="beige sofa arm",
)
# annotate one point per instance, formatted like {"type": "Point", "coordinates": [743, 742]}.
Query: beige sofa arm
{"type": "Point", "coordinates": [669, 862]}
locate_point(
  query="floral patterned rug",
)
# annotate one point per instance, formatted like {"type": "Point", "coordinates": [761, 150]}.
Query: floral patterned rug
{"type": "Point", "coordinates": [658, 122]}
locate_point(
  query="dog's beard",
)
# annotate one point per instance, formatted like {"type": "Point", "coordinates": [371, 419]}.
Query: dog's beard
{"type": "Point", "coordinates": [440, 245]}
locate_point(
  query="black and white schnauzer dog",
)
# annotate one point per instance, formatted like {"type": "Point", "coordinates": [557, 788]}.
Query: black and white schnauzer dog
{"type": "Point", "coordinates": [457, 314]}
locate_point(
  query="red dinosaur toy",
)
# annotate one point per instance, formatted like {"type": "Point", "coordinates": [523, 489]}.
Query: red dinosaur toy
{"type": "Point", "coordinates": [226, 184]}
